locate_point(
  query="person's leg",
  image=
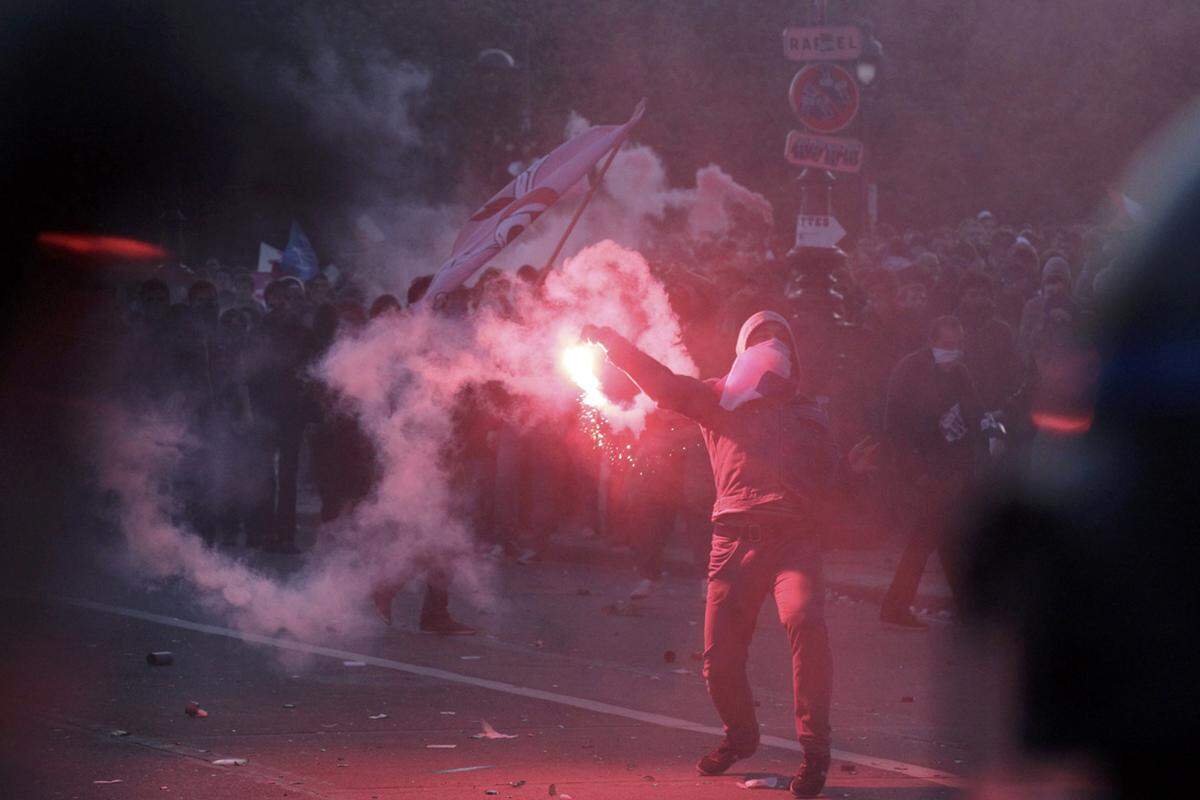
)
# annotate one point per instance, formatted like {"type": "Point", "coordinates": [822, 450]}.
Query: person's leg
{"type": "Point", "coordinates": [735, 595]}
{"type": "Point", "coordinates": [912, 565]}
{"type": "Point", "coordinates": [288, 477]}
{"type": "Point", "coordinates": [922, 541]}
{"type": "Point", "coordinates": [800, 600]}
{"type": "Point", "coordinates": [435, 607]}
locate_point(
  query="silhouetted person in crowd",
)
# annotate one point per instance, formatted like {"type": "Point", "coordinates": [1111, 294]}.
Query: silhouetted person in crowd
{"type": "Point", "coordinates": [240, 469]}
{"type": "Point", "coordinates": [384, 304]}
{"type": "Point", "coordinates": [932, 425]}
{"type": "Point", "coordinates": [417, 289]}
{"type": "Point", "coordinates": [243, 291]}
{"type": "Point", "coordinates": [1055, 295]}
{"type": "Point", "coordinates": [1019, 279]}
{"type": "Point", "coordinates": [149, 376]}
{"type": "Point", "coordinates": [278, 391]}
{"type": "Point", "coordinates": [989, 352]}
{"type": "Point", "coordinates": [435, 615]}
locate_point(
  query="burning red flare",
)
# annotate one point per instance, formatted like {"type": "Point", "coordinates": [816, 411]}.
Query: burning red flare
{"type": "Point", "coordinates": [99, 248]}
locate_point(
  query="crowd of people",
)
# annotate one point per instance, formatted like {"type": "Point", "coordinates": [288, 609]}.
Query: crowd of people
{"type": "Point", "coordinates": [945, 351]}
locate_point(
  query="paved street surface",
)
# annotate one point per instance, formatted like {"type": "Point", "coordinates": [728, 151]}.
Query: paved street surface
{"type": "Point", "coordinates": [597, 709]}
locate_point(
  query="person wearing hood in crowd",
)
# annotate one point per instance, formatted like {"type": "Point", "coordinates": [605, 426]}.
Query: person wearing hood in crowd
{"type": "Point", "coordinates": [932, 425]}
{"type": "Point", "coordinates": [1055, 295]}
{"type": "Point", "coordinates": [243, 292]}
{"type": "Point", "coordinates": [772, 457]}
{"type": "Point", "coordinates": [1018, 280]}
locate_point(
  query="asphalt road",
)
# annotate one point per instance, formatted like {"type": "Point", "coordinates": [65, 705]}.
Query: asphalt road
{"type": "Point", "coordinates": [596, 708]}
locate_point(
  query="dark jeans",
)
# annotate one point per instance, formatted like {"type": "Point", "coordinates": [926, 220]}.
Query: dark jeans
{"type": "Point", "coordinates": [742, 572]}
{"type": "Point", "coordinates": [938, 504]}
{"type": "Point", "coordinates": [435, 605]}
{"type": "Point", "coordinates": [285, 445]}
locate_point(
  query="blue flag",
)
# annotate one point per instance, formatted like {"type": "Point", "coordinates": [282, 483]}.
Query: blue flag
{"type": "Point", "coordinates": [299, 258]}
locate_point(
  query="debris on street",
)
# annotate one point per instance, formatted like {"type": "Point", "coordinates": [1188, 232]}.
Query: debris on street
{"type": "Point", "coordinates": [489, 732]}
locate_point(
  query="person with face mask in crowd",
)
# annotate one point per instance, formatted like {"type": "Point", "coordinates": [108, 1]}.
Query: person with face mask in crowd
{"type": "Point", "coordinates": [772, 457]}
{"type": "Point", "coordinates": [932, 425]}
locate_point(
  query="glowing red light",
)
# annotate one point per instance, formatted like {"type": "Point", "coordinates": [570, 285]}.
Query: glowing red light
{"type": "Point", "coordinates": [97, 248]}
{"type": "Point", "coordinates": [1062, 424]}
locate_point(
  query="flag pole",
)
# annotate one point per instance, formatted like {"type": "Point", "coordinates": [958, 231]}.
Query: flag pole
{"type": "Point", "coordinates": [579, 212]}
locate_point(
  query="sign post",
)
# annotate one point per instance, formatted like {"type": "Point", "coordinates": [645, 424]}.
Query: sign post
{"type": "Point", "coordinates": [823, 152]}
{"type": "Point", "coordinates": [827, 43]}
{"type": "Point", "coordinates": [818, 230]}
{"type": "Point", "coordinates": [824, 97]}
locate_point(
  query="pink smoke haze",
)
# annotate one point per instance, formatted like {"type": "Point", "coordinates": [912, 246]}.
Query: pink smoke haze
{"type": "Point", "coordinates": [401, 376]}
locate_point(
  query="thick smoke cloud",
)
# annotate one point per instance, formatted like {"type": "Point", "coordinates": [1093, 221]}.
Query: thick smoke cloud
{"type": "Point", "coordinates": [402, 377]}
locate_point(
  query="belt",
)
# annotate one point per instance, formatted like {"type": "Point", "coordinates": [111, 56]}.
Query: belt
{"type": "Point", "coordinates": [754, 533]}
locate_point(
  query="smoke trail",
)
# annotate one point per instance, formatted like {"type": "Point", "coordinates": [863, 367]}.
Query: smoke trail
{"type": "Point", "coordinates": [402, 376]}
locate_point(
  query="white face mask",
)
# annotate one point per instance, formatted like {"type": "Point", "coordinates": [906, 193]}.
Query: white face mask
{"type": "Point", "coordinates": [742, 382]}
{"type": "Point", "coordinates": [941, 356]}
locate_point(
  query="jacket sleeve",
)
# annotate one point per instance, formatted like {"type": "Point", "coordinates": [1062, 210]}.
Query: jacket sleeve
{"type": "Point", "coordinates": [687, 396]}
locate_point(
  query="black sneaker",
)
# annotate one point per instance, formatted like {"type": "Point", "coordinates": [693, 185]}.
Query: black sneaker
{"type": "Point", "coordinates": [902, 617]}
{"type": "Point", "coordinates": [810, 780]}
{"type": "Point", "coordinates": [446, 626]}
{"type": "Point", "coordinates": [721, 759]}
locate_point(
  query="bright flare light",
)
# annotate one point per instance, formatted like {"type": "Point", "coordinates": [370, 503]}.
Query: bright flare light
{"type": "Point", "coordinates": [581, 361]}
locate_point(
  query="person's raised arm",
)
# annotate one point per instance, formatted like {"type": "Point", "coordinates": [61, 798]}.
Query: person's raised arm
{"type": "Point", "coordinates": [669, 390]}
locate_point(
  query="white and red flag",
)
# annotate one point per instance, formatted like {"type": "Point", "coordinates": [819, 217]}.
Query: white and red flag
{"type": "Point", "coordinates": [516, 206]}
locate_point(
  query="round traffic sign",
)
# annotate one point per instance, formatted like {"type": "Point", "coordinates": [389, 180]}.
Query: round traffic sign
{"type": "Point", "coordinates": [824, 97]}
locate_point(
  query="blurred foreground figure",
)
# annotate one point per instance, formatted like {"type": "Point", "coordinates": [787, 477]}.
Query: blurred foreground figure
{"type": "Point", "coordinates": [1091, 557]}
{"type": "Point", "coordinates": [773, 458]}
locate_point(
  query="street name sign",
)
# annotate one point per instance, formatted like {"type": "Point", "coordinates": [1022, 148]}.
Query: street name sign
{"type": "Point", "coordinates": [834, 43]}
{"type": "Point", "coordinates": [824, 152]}
{"type": "Point", "coordinates": [824, 97]}
{"type": "Point", "coordinates": [818, 230]}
